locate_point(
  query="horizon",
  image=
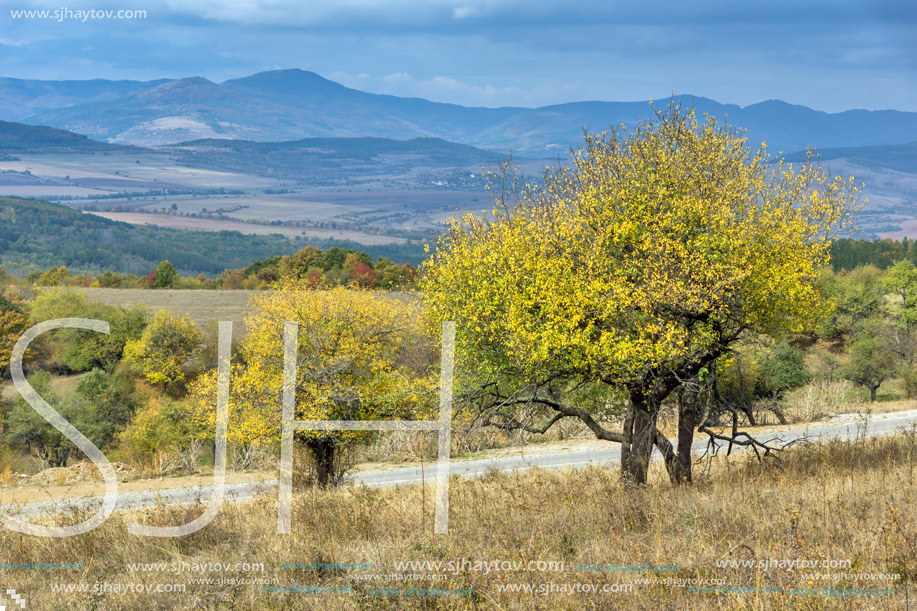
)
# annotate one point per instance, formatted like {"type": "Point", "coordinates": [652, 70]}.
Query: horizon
{"type": "Point", "coordinates": [670, 95]}
{"type": "Point", "coordinates": [493, 54]}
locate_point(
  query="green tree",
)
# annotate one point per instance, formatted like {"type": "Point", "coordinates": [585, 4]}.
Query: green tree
{"type": "Point", "coordinates": [97, 416]}
{"type": "Point", "coordinates": [81, 350]}
{"type": "Point", "coordinates": [901, 283]}
{"type": "Point", "coordinates": [855, 296]}
{"type": "Point", "coordinates": [633, 270]}
{"type": "Point", "coordinates": [782, 368]}
{"type": "Point", "coordinates": [165, 276]}
{"type": "Point", "coordinates": [391, 275]}
{"type": "Point", "coordinates": [112, 399]}
{"type": "Point", "coordinates": [870, 360]}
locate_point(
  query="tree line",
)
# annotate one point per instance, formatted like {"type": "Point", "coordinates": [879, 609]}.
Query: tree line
{"type": "Point", "coordinates": [333, 267]}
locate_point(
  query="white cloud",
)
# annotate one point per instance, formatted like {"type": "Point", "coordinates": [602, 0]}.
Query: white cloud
{"type": "Point", "coordinates": [447, 89]}
{"type": "Point", "coordinates": [398, 78]}
{"type": "Point", "coordinates": [317, 12]}
{"type": "Point", "coordinates": [463, 12]}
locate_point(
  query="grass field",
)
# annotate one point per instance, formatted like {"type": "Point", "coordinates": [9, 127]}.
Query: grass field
{"type": "Point", "coordinates": [837, 516]}
{"type": "Point", "coordinates": [202, 306]}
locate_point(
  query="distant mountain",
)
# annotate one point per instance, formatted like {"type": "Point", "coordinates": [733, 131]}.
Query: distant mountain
{"type": "Point", "coordinates": [20, 98]}
{"type": "Point", "coordinates": [286, 105]}
{"type": "Point", "coordinates": [900, 157]}
{"type": "Point", "coordinates": [369, 114]}
{"type": "Point", "coordinates": [173, 111]}
{"type": "Point", "coordinates": [271, 106]}
{"type": "Point", "coordinates": [424, 163]}
{"type": "Point", "coordinates": [785, 127]}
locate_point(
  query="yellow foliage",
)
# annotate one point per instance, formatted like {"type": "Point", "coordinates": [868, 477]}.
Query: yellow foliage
{"type": "Point", "coordinates": [14, 321]}
{"type": "Point", "coordinates": [651, 251]}
{"type": "Point", "coordinates": [164, 347]}
{"type": "Point", "coordinates": [361, 356]}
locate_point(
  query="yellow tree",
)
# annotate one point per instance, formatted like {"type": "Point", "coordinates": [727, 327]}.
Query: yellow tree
{"type": "Point", "coordinates": [631, 271]}
{"type": "Point", "coordinates": [164, 348]}
{"type": "Point", "coordinates": [361, 356]}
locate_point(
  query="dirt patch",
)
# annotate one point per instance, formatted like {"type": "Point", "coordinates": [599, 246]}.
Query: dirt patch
{"type": "Point", "coordinates": [76, 473]}
{"type": "Point", "coordinates": [32, 492]}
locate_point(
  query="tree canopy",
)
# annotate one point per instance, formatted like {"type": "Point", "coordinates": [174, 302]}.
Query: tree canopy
{"type": "Point", "coordinates": [164, 348]}
{"type": "Point", "coordinates": [361, 356]}
{"type": "Point", "coordinates": [635, 268]}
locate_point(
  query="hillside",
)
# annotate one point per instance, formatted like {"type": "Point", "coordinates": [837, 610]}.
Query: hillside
{"type": "Point", "coordinates": [420, 163]}
{"type": "Point", "coordinates": [36, 234]}
{"type": "Point", "coordinates": [900, 157]}
{"type": "Point", "coordinates": [20, 138]}
{"type": "Point", "coordinates": [285, 105]}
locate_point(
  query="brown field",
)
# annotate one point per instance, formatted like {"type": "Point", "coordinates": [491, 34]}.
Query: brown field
{"type": "Point", "coordinates": [48, 191]}
{"type": "Point", "coordinates": [398, 208]}
{"type": "Point", "coordinates": [139, 166]}
{"type": "Point", "coordinates": [198, 224]}
{"type": "Point", "coordinates": [201, 305]}
{"type": "Point", "coordinates": [846, 508]}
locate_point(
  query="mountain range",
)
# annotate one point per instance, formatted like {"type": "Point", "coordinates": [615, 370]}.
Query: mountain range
{"type": "Point", "coordinates": [288, 105]}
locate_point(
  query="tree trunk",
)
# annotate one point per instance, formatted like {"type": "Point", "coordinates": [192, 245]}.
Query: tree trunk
{"type": "Point", "coordinates": [776, 410]}
{"type": "Point", "coordinates": [748, 414]}
{"type": "Point", "coordinates": [872, 393]}
{"type": "Point", "coordinates": [324, 450]}
{"type": "Point", "coordinates": [635, 459]}
{"type": "Point", "coordinates": [628, 437]}
{"type": "Point", "coordinates": [687, 420]}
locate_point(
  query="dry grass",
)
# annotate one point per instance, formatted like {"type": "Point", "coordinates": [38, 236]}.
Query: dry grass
{"type": "Point", "coordinates": [850, 502]}
{"type": "Point", "coordinates": [205, 307]}
{"type": "Point", "coordinates": [201, 305]}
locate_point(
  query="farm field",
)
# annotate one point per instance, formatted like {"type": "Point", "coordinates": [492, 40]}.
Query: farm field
{"type": "Point", "coordinates": [203, 224]}
{"type": "Point", "coordinates": [404, 210]}
{"type": "Point", "coordinates": [117, 172]}
{"type": "Point", "coordinates": [146, 180]}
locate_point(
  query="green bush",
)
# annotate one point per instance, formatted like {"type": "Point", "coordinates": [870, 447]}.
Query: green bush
{"type": "Point", "coordinates": [81, 350]}
{"type": "Point", "coordinates": [100, 407]}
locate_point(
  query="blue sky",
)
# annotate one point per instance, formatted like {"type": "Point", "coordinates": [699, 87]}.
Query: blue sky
{"type": "Point", "coordinates": [828, 55]}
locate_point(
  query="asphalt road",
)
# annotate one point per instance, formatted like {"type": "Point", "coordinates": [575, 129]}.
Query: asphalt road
{"type": "Point", "coordinates": [881, 424]}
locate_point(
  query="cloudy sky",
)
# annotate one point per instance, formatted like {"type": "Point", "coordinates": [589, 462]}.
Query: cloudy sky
{"type": "Point", "coordinates": [828, 55]}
